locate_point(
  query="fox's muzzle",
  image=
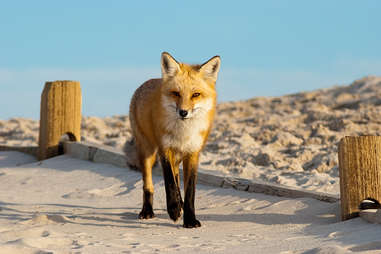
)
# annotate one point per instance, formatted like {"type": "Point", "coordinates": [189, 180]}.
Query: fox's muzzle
{"type": "Point", "coordinates": [183, 113]}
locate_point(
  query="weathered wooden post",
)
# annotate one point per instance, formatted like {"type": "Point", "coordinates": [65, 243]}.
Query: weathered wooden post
{"type": "Point", "coordinates": [61, 103]}
{"type": "Point", "coordinates": [360, 172]}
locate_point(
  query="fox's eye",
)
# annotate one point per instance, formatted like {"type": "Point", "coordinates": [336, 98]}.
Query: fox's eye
{"type": "Point", "coordinates": [177, 94]}
{"type": "Point", "coordinates": [195, 95]}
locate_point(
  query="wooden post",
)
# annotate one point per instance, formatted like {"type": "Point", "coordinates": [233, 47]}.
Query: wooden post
{"type": "Point", "coordinates": [61, 103]}
{"type": "Point", "coordinates": [360, 172]}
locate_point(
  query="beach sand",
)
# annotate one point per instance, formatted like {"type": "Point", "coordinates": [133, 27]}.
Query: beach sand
{"type": "Point", "coordinates": [66, 205]}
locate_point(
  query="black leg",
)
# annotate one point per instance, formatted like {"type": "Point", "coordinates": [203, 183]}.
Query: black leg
{"type": "Point", "coordinates": [147, 210]}
{"type": "Point", "coordinates": [190, 220]}
{"type": "Point", "coordinates": [177, 177]}
{"type": "Point", "coordinates": [172, 190]}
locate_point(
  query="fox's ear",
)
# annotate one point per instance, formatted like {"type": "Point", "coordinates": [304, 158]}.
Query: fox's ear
{"type": "Point", "coordinates": [169, 66]}
{"type": "Point", "coordinates": [211, 67]}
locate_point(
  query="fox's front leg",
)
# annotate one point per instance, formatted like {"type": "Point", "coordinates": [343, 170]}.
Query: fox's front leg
{"type": "Point", "coordinates": [172, 190]}
{"type": "Point", "coordinates": [190, 165]}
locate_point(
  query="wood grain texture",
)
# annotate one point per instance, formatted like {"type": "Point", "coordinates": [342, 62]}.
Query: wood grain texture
{"type": "Point", "coordinates": [61, 103]}
{"type": "Point", "coordinates": [360, 172]}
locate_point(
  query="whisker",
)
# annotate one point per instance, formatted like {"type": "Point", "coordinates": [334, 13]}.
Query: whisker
{"type": "Point", "coordinates": [199, 110]}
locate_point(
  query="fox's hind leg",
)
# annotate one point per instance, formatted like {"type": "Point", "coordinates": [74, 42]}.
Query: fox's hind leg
{"type": "Point", "coordinates": [147, 159]}
{"type": "Point", "coordinates": [170, 167]}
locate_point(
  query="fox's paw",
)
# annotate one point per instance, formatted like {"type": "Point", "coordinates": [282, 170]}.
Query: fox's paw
{"type": "Point", "coordinates": [191, 223]}
{"type": "Point", "coordinates": [175, 210]}
{"type": "Point", "coordinates": [146, 213]}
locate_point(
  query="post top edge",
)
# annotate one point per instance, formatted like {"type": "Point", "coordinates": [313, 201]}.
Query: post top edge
{"type": "Point", "coordinates": [61, 82]}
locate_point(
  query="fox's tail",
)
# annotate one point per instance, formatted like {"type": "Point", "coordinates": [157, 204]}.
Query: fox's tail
{"type": "Point", "coordinates": [129, 149]}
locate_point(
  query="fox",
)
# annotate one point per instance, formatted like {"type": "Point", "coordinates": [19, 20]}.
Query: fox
{"type": "Point", "coordinates": [171, 118]}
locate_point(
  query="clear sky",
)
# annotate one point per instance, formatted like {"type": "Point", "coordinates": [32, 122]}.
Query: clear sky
{"type": "Point", "coordinates": [267, 48]}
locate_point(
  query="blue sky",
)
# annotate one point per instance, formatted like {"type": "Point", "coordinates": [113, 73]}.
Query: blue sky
{"type": "Point", "coordinates": [267, 48]}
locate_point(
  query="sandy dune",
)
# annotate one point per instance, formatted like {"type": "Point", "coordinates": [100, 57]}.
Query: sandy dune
{"type": "Point", "coordinates": [291, 140]}
{"type": "Point", "coordinates": [65, 205]}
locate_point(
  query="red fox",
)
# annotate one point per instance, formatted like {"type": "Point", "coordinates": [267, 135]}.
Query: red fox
{"type": "Point", "coordinates": [171, 117]}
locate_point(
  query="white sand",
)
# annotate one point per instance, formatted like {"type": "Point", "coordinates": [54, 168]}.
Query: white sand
{"type": "Point", "coordinates": [65, 205]}
{"type": "Point", "coordinates": [291, 140]}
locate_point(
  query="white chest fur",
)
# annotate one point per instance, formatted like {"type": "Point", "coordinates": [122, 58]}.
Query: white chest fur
{"type": "Point", "coordinates": [186, 135]}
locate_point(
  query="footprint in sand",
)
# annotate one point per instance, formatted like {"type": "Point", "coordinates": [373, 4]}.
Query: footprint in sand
{"type": "Point", "coordinates": [45, 234]}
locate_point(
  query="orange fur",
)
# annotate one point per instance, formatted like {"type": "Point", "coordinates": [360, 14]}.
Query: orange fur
{"type": "Point", "coordinates": [157, 124]}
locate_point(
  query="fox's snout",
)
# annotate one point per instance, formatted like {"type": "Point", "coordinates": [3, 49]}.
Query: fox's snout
{"type": "Point", "coordinates": [183, 113]}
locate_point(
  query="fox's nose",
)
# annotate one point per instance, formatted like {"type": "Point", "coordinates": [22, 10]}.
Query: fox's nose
{"type": "Point", "coordinates": [183, 113]}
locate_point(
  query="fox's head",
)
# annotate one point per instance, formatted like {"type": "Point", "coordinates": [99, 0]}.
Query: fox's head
{"type": "Point", "coordinates": [188, 90]}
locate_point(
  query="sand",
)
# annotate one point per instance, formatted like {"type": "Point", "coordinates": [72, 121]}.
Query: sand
{"type": "Point", "coordinates": [66, 205]}
{"type": "Point", "coordinates": [290, 140]}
